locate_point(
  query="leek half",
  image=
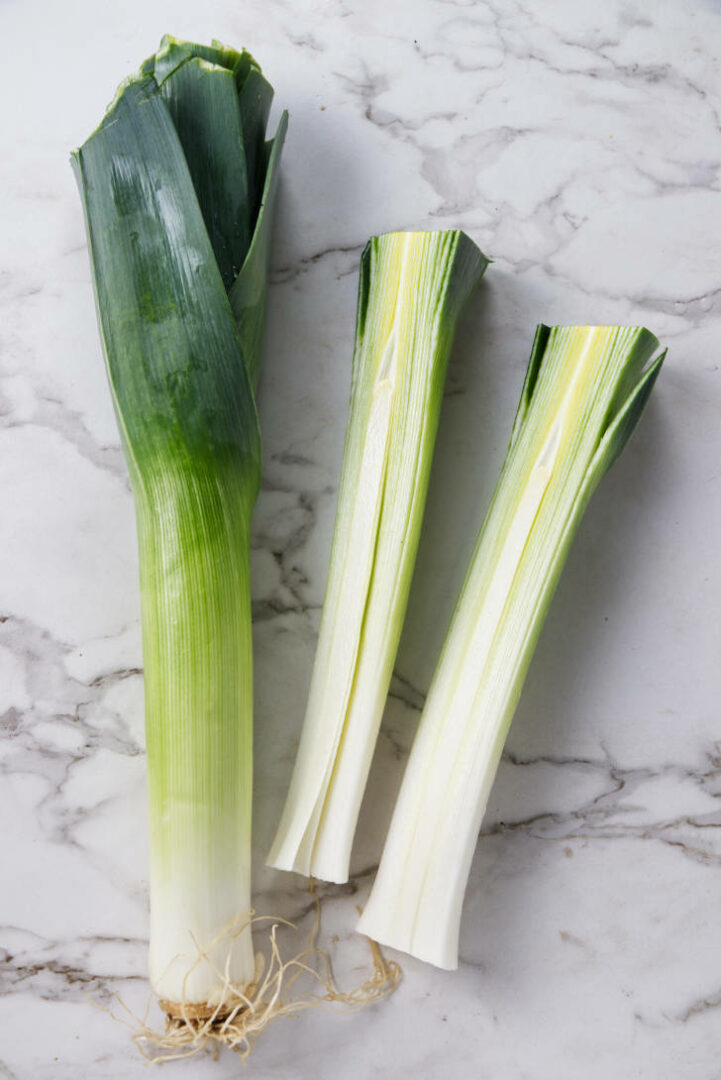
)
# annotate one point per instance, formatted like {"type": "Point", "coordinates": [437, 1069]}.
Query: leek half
{"type": "Point", "coordinates": [178, 185]}
{"type": "Point", "coordinates": [584, 391]}
{"type": "Point", "coordinates": [413, 286]}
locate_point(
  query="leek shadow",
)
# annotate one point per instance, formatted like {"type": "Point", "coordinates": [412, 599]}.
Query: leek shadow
{"type": "Point", "coordinates": [485, 376]}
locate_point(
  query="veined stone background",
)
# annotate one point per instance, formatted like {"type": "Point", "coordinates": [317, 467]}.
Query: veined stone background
{"type": "Point", "coordinates": [579, 144]}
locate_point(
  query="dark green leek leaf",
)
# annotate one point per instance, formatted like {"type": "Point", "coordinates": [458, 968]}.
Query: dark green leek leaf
{"type": "Point", "coordinates": [529, 383]}
{"type": "Point", "coordinates": [248, 293]}
{"type": "Point", "coordinates": [174, 357]}
{"type": "Point", "coordinates": [180, 234]}
{"type": "Point", "coordinates": [172, 53]}
{"type": "Point", "coordinates": [255, 98]}
{"type": "Point", "coordinates": [203, 103]}
{"type": "Point", "coordinates": [625, 420]}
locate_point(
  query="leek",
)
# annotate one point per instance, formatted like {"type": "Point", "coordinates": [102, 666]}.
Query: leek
{"type": "Point", "coordinates": [413, 286]}
{"type": "Point", "coordinates": [178, 185]}
{"type": "Point", "coordinates": [584, 392]}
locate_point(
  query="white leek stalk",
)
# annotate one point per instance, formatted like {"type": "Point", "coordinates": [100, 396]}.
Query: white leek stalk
{"type": "Point", "coordinates": [584, 391]}
{"type": "Point", "coordinates": [413, 286]}
{"type": "Point", "coordinates": [178, 186]}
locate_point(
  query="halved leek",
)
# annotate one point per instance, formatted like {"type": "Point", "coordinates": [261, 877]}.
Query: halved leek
{"type": "Point", "coordinates": [413, 286]}
{"type": "Point", "coordinates": [584, 391]}
{"type": "Point", "coordinates": [178, 185]}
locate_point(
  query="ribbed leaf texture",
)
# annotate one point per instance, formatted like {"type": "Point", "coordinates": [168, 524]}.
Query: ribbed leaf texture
{"type": "Point", "coordinates": [178, 185]}
{"type": "Point", "coordinates": [585, 389]}
{"type": "Point", "coordinates": [413, 287]}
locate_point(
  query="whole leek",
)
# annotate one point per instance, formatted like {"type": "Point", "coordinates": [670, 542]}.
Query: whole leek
{"type": "Point", "coordinates": [413, 286]}
{"type": "Point", "coordinates": [178, 185]}
{"type": "Point", "coordinates": [584, 391]}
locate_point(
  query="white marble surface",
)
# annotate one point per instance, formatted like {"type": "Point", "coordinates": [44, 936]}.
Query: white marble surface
{"type": "Point", "coordinates": [579, 144]}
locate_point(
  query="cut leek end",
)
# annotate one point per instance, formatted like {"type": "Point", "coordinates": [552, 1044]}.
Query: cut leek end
{"type": "Point", "coordinates": [289, 857]}
{"type": "Point", "coordinates": [324, 867]}
{"type": "Point", "coordinates": [322, 849]}
{"type": "Point", "coordinates": [318, 852]}
{"type": "Point", "coordinates": [335, 874]}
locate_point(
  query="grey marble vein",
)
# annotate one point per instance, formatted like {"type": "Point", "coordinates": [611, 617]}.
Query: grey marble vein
{"type": "Point", "coordinates": [580, 145]}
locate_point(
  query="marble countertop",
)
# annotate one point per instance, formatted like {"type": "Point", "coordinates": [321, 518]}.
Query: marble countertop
{"type": "Point", "coordinates": [579, 144]}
